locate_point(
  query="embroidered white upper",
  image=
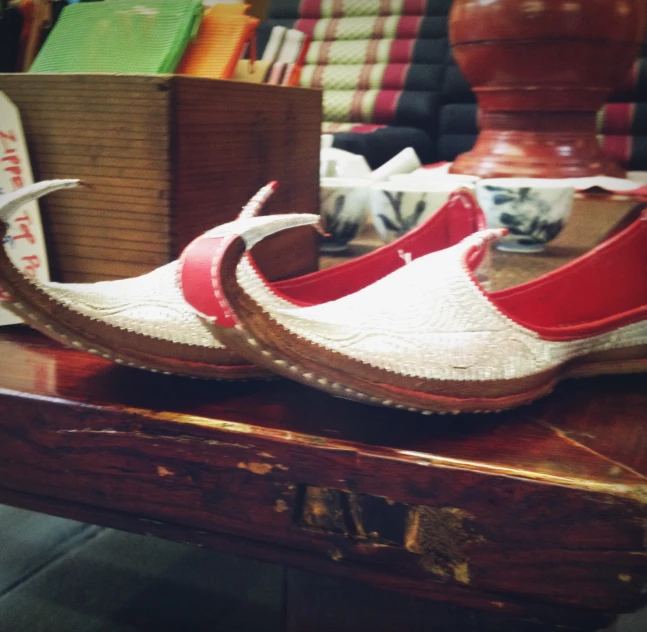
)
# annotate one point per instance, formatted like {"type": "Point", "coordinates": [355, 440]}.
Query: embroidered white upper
{"type": "Point", "coordinates": [429, 319]}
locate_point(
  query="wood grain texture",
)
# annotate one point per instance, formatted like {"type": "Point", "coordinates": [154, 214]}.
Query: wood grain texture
{"type": "Point", "coordinates": [544, 505]}
{"type": "Point", "coordinates": [183, 153]}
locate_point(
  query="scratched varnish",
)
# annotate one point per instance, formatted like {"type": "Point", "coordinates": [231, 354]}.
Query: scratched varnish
{"type": "Point", "coordinates": [536, 514]}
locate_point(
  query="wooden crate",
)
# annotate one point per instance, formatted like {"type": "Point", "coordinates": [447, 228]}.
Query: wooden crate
{"type": "Point", "coordinates": [166, 157]}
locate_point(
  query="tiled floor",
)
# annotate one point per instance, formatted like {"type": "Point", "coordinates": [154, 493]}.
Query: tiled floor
{"type": "Point", "coordinates": [62, 576]}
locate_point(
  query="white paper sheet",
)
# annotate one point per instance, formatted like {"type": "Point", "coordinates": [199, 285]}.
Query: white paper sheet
{"type": "Point", "coordinates": [24, 242]}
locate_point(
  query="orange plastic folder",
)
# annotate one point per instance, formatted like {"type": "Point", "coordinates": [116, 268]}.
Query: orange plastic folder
{"type": "Point", "coordinates": [223, 33]}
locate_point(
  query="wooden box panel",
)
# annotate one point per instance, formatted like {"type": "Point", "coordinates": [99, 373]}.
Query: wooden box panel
{"type": "Point", "coordinates": [166, 157]}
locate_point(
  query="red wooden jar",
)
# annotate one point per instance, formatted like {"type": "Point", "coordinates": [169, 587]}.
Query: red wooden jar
{"type": "Point", "coordinates": [541, 69]}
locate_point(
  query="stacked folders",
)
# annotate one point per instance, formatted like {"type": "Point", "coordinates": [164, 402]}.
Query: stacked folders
{"type": "Point", "coordinates": [148, 37]}
{"type": "Point", "coordinates": [283, 57]}
{"type": "Point", "coordinates": [225, 33]}
{"type": "Point", "coordinates": [120, 36]}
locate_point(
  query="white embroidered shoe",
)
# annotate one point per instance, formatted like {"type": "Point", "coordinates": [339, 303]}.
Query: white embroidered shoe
{"type": "Point", "coordinates": [142, 322]}
{"type": "Point", "coordinates": [429, 337]}
{"type": "Point", "coordinates": [145, 321]}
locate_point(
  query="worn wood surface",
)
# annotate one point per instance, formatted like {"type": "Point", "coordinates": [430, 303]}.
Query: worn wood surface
{"type": "Point", "coordinates": [543, 505]}
{"type": "Point", "coordinates": [166, 158]}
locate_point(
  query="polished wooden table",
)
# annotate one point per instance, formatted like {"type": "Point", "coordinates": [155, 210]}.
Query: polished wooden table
{"type": "Point", "coordinates": [528, 520]}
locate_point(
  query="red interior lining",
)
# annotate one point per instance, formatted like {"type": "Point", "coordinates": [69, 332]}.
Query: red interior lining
{"type": "Point", "coordinates": [457, 219]}
{"type": "Point", "coordinates": [607, 285]}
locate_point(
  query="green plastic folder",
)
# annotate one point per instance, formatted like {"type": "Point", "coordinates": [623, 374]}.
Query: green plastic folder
{"type": "Point", "coordinates": [120, 36]}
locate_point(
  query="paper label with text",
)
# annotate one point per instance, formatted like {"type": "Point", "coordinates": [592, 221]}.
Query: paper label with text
{"type": "Point", "coordinates": [24, 241]}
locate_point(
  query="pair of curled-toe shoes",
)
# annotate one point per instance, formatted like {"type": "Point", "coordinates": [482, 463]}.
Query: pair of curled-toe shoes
{"type": "Point", "coordinates": [409, 325]}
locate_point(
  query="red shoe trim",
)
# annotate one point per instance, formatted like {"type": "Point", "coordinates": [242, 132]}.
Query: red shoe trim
{"type": "Point", "coordinates": [199, 278]}
{"type": "Point", "coordinates": [458, 218]}
{"type": "Point", "coordinates": [601, 291]}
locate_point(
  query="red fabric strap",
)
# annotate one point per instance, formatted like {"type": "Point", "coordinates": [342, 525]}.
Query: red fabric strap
{"type": "Point", "coordinates": [199, 278]}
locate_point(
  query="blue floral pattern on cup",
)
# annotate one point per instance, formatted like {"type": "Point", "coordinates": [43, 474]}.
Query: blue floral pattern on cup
{"type": "Point", "coordinates": [343, 206]}
{"type": "Point", "coordinates": [399, 223]}
{"type": "Point", "coordinates": [523, 212]}
{"type": "Point", "coordinates": [534, 210]}
{"type": "Point", "coordinates": [338, 226]}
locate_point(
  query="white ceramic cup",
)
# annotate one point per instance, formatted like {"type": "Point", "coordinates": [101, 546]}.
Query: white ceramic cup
{"type": "Point", "coordinates": [534, 210]}
{"type": "Point", "coordinates": [429, 178]}
{"type": "Point", "coordinates": [403, 163]}
{"type": "Point", "coordinates": [397, 207]}
{"type": "Point", "coordinates": [343, 204]}
{"type": "Point", "coordinates": [339, 163]}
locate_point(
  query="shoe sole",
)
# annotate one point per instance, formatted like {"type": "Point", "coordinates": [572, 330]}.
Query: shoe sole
{"type": "Point", "coordinates": [182, 359]}
{"type": "Point", "coordinates": [343, 384]}
{"type": "Point", "coordinates": [74, 330]}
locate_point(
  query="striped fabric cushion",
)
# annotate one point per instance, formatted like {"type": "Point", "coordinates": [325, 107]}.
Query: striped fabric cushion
{"type": "Point", "coordinates": [387, 51]}
{"type": "Point", "coordinates": [356, 8]}
{"type": "Point", "coordinates": [379, 106]}
{"type": "Point", "coordinates": [380, 66]}
{"type": "Point", "coordinates": [372, 77]}
{"type": "Point", "coordinates": [374, 28]}
{"type": "Point", "coordinates": [386, 65]}
{"type": "Point", "coordinates": [379, 62]}
{"type": "Point", "coordinates": [622, 123]}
